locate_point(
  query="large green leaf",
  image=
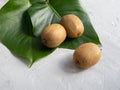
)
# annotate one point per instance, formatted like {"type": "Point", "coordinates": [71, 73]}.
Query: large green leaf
{"type": "Point", "coordinates": [22, 21]}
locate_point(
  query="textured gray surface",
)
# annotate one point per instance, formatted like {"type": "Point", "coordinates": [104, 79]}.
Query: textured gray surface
{"type": "Point", "coordinates": [57, 71]}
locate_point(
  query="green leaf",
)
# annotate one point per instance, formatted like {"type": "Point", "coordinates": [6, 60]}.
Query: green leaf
{"type": "Point", "coordinates": [22, 21]}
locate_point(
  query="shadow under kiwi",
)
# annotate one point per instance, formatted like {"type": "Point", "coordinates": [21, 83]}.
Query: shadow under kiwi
{"type": "Point", "coordinates": [69, 65]}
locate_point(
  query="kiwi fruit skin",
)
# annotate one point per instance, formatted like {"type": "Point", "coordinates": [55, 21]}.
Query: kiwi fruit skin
{"type": "Point", "coordinates": [73, 25]}
{"type": "Point", "coordinates": [87, 55]}
{"type": "Point", "coordinates": [53, 35]}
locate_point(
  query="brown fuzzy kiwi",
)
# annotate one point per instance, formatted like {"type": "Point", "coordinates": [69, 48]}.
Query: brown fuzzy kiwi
{"type": "Point", "coordinates": [53, 35]}
{"type": "Point", "coordinates": [87, 55]}
{"type": "Point", "coordinates": [73, 25]}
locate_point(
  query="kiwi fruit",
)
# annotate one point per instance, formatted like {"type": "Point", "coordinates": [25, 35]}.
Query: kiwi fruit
{"type": "Point", "coordinates": [53, 35]}
{"type": "Point", "coordinates": [73, 25]}
{"type": "Point", "coordinates": [87, 55]}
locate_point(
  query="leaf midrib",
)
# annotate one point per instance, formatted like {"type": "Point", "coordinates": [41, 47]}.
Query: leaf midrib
{"type": "Point", "coordinates": [54, 10]}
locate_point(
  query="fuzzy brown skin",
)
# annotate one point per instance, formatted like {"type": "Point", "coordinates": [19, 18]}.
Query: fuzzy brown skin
{"type": "Point", "coordinates": [87, 55]}
{"type": "Point", "coordinates": [53, 35]}
{"type": "Point", "coordinates": [73, 25]}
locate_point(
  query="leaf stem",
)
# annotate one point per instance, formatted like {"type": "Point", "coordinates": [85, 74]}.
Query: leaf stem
{"type": "Point", "coordinates": [31, 64]}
